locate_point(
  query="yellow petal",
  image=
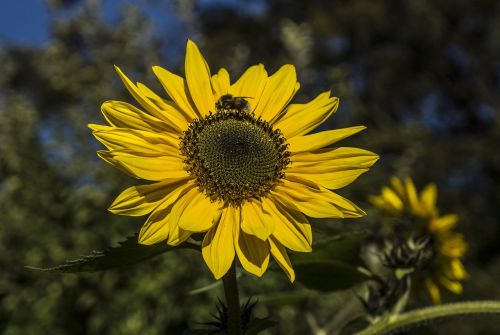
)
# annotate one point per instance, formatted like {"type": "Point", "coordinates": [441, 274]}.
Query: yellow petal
{"type": "Point", "coordinates": [411, 193]}
{"type": "Point", "coordinates": [156, 228]}
{"type": "Point", "coordinates": [311, 207]}
{"type": "Point", "coordinates": [321, 139]}
{"type": "Point", "coordinates": [140, 141]}
{"type": "Point", "coordinates": [454, 269]}
{"type": "Point", "coordinates": [398, 187]}
{"type": "Point", "coordinates": [298, 196]}
{"type": "Point", "coordinates": [443, 223]}
{"type": "Point", "coordinates": [428, 198]}
{"type": "Point", "coordinates": [331, 180]}
{"type": "Point", "coordinates": [332, 168]}
{"type": "Point", "coordinates": [300, 119]}
{"type": "Point", "coordinates": [220, 83]}
{"type": "Point", "coordinates": [452, 245]}
{"type": "Point", "coordinates": [250, 85]}
{"type": "Point", "coordinates": [172, 115]}
{"type": "Point", "coordinates": [123, 115]}
{"type": "Point", "coordinates": [176, 88]}
{"type": "Point", "coordinates": [252, 252]}
{"type": "Point", "coordinates": [340, 156]}
{"type": "Point", "coordinates": [392, 199]}
{"type": "Point", "coordinates": [198, 80]}
{"type": "Point", "coordinates": [283, 111]}
{"type": "Point", "coordinates": [158, 224]}
{"type": "Point", "coordinates": [451, 285]}
{"type": "Point", "coordinates": [433, 290]}
{"type": "Point", "coordinates": [281, 257]}
{"type": "Point", "coordinates": [347, 207]}
{"type": "Point", "coordinates": [255, 220]}
{"type": "Point", "coordinates": [218, 244]}
{"type": "Point", "coordinates": [143, 167]}
{"type": "Point", "coordinates": [457, 269]}
{"type": "Point", "coordinates": [138, 95]}
{"type": "Point", "coordinates": [292, 228]}
{"type": "Point", "coordinates": [161, 228]}
{"type": "Point", "coordinates": [194, 212]}
{"type": "Point", "coordinates": [381, 204]}
{"type": "Point", "coordinates": [277, 93]}
{"type": "Point", "coordinates": [142, 199]}
{"type": "Point", "coordinates": [177, 235]}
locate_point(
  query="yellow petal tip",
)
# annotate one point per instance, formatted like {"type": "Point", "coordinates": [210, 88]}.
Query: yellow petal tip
{"type": "Point", "coordinates": [118, 70]}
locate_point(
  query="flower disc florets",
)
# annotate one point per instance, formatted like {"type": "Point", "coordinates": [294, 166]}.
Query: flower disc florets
{"type": "Point", "coordinates": [234, 156]}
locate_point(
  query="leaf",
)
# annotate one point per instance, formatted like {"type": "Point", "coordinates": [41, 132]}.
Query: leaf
{"type": "Point", "coordinates": [126, 253]}
{"type": "Point", "coordinates": [344, 248]}
{"type": "Point", "coordinates": [327, 275]}
{"type": "Point", "coordinates": [257, 325]}
{"type": "Point", "coordinates": [333, 263]}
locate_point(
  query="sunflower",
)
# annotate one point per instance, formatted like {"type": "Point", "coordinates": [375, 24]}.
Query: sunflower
{"type": "Point", "coordinates": [449, 247]}
{"type": "Point", "coordinates": [232, 161]}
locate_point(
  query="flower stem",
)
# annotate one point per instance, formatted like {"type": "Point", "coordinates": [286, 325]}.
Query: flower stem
{"type": "Point", "coordinates": [419, 316]}
{"type": "Point", "coordinates": [232, 301]}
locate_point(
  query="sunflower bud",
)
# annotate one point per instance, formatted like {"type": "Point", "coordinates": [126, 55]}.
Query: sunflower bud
{"type": "Point", "coordinates": [382, 299]}
{"type": "Point", "coordinates": [406, 256]}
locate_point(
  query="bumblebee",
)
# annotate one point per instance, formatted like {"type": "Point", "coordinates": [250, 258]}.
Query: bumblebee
{"type": "Point", "coordinates": [228, 102]}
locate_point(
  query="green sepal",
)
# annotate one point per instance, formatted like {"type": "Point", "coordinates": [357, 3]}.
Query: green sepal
{"type": "Point", "coordinates": [127, 252]}
{"type": "Point", "coordinates": [400, 273]}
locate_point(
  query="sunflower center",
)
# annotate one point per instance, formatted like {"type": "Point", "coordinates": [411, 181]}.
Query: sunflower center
{"type": "Point", "coordinates": [234, 156]}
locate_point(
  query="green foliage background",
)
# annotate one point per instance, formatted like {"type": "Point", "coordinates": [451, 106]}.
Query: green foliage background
{"type": "Point", "coordinates": [424, 76]}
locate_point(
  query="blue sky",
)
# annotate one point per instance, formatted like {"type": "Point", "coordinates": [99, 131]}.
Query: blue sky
{"type": "Point", "coordinates": [24, 22]}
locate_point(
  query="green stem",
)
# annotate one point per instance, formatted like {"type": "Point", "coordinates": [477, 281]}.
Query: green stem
{"type": "Point", "coordinates": [233, 301]}
{"type": "Point", "coordinates": [418, 316]}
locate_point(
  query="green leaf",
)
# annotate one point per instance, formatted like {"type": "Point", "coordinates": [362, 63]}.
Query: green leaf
{"type": "Point", "coordinates": [344, 248]}
{"type": "Point", "coordinates": [257, 325]}
{"type": "Point", "coordinates": [327, 275]}
{"type": "Point", "coordinates": [332, 265]}
{"type": "Point", "coordinates": [126, 253]}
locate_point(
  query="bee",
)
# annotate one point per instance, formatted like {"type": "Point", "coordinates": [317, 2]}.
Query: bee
{"type": "Point", "coordinates": [229, 102]}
